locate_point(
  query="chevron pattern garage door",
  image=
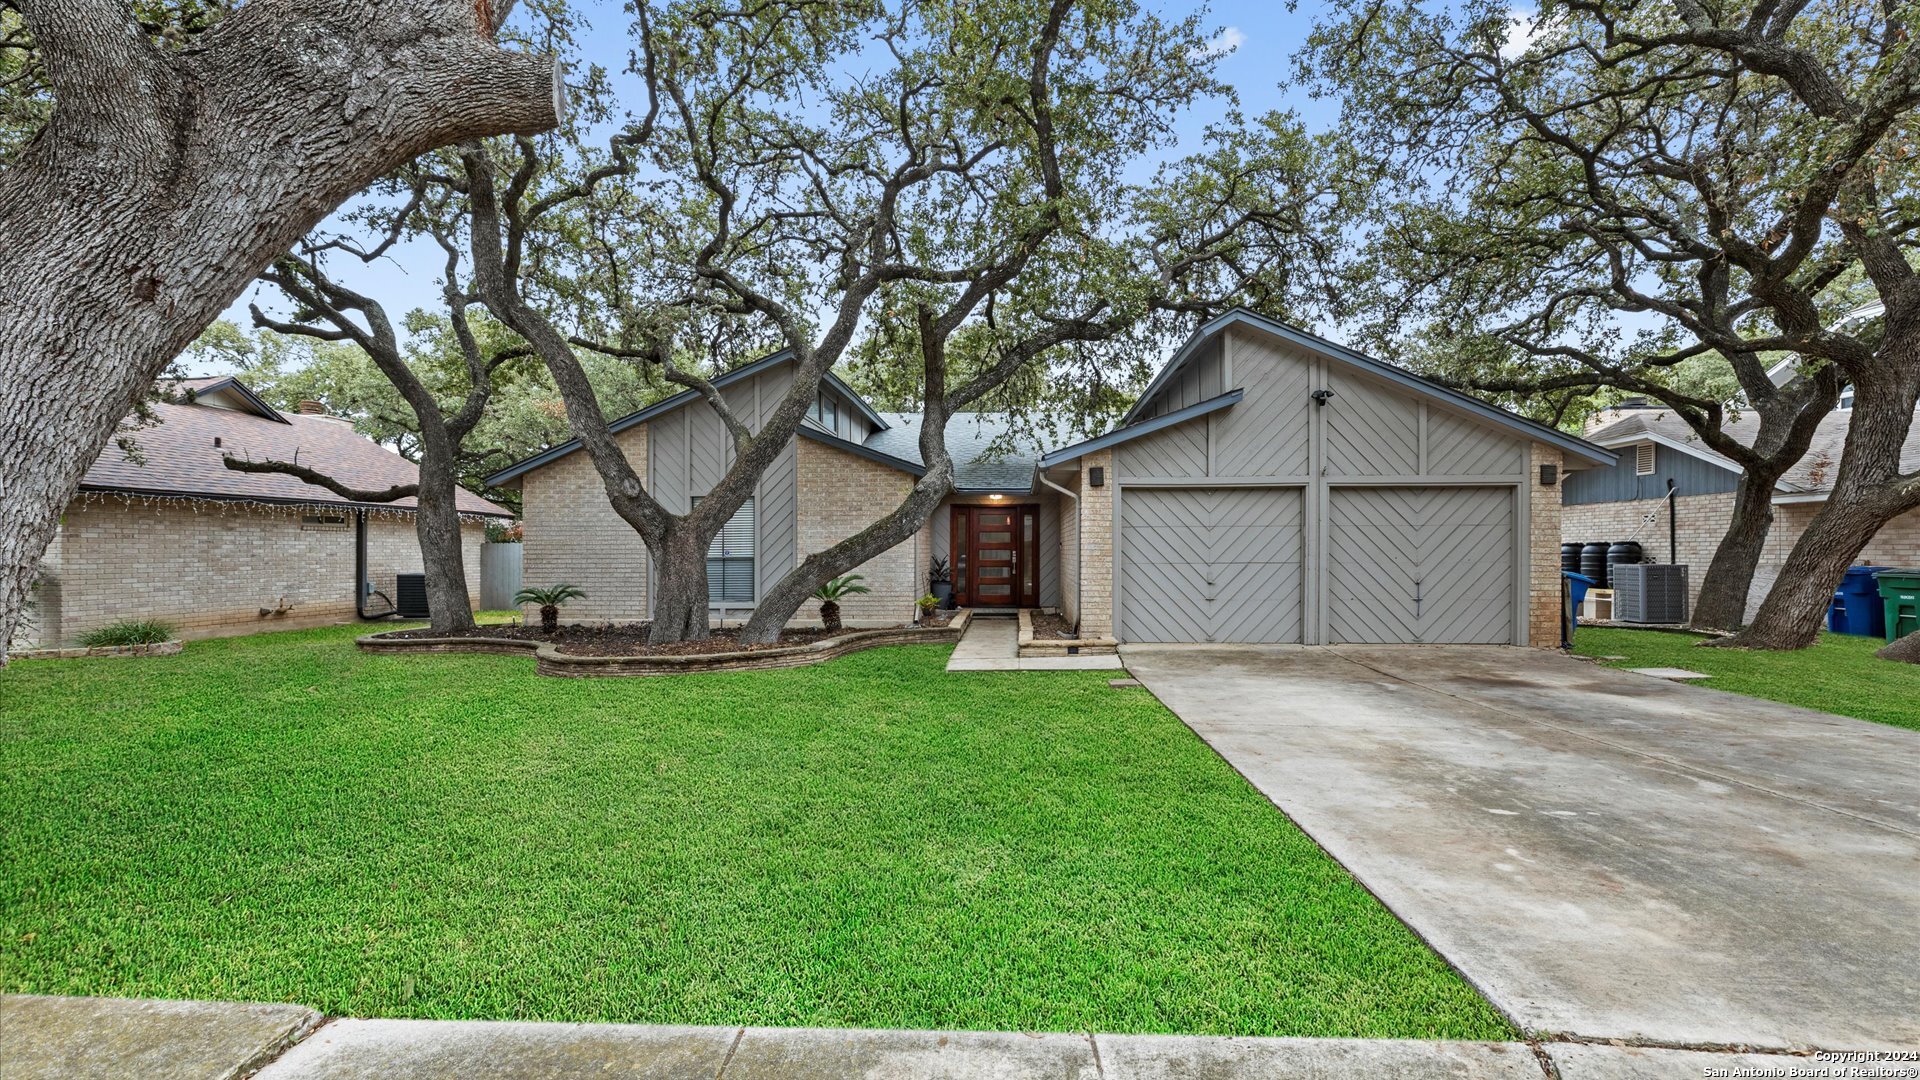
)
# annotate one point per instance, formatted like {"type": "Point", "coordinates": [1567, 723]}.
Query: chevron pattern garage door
{"type": "Point", "coordinates": [1429, 565]}
{"type": "Point", "coordinates": [1210, 564]}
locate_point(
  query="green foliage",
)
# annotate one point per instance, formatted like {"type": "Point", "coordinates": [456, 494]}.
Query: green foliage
{"type": "Point", "coordinates": [840, 588]}
{"type": "Point", "coordinates": [870, 842]}
{"type": "Point", "coordinates": [550, 596]}
{"type": "Point", "coordinates": [1838, 674]}
{"type": "Point", "coordinates": [128, 632]}
{"type": "Point", "coordinates": [927, 604]}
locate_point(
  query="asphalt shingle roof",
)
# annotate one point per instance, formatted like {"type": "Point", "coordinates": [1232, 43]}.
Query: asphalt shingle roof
{"type": "Point", "coordinates": [181, 459]}
{"type": "Point", "coordinates": [988, 453]}
{"type": "Point", "coordinates": [1814, 472]}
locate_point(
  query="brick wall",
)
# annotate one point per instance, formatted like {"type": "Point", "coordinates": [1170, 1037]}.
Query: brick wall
{"type": "Point", "coordinates": [1096, 567]}
{"type": "Point", "coordinates": [210, 571]}
{"type": "Point", "coordinates": [1702, 521]}
{"type": "Point", "coordinates": [572, 535]}
{"type": "Point", "coordinates": [840, 494]}
{"type": "Point", "coordinates": [1070, 551]}
{"type": "Point", "coordinates": [1543, 576]}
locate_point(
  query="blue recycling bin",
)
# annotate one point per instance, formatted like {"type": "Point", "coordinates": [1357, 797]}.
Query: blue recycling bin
{"type": "Point", "coordinates": [1577, 586]}
{"type": "Point", "coordinates": [1866, 614]}
{"type": "Point", "coordinates": [1837, 613]}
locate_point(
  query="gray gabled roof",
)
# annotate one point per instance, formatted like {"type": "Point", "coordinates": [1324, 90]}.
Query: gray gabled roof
{"type": "Point", "coordinates": [989, 452]}
{"type": "Point", "coordinates": [1144, 427]}
{"type": "Point", "coordinates": [1242, 317]}
{"type": "Point", "coordinates": [683, 398]}
{"type": "Point", "coordinates": [1812, 475]}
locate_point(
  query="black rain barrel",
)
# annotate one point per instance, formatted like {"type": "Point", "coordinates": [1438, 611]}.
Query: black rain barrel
{"type": "Point", "coordinates": [1593, 563]}
{"type": "Point", "coordinates": [1570, 558]}
{"type": "Point", "coordinates": [1626, 551]}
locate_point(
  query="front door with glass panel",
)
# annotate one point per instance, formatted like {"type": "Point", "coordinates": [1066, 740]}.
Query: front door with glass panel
{"type": "Point", "coordinates": [999, 556]}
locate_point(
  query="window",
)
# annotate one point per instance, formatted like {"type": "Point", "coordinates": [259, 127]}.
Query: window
{"type": "Point", "coordinates": [730, 559]}
{"type": "Point", "coordinates": [1846, 398]}
{"type": "Point", "coordinates": [826, 412]}
{"type": "Point", "coordinates": [1643, 459]}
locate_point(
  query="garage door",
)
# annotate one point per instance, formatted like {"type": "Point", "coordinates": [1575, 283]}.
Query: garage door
{"type": "Point", "coordinates": [1425, 565]}
{"type": "Point", "coordinates": [1210, 564]}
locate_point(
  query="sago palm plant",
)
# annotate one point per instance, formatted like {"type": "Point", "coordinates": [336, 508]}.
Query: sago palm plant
{"type": "Point", "coordinates": [829, 596]}
{"type": "Point", "coordinates": [549, 599]}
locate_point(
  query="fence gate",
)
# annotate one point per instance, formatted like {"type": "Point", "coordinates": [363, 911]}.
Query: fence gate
{"type": "Point", "coordinates": [499, 575]}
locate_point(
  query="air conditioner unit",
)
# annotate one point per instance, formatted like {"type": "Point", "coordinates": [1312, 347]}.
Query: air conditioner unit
{"type": "Point", "coordinates": [410, 596]}
{"type": "Point", "coordinates": [1649, 593]}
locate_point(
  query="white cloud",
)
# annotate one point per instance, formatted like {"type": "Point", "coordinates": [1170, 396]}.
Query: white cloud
{"type": "Point", "coordinates": [1521, 31]}
{"type": "Point", "coordinates": [1224, 42]}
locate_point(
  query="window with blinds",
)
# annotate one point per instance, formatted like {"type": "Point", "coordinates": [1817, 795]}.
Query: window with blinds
{"type": "Point", "coordinates": [730, 559]}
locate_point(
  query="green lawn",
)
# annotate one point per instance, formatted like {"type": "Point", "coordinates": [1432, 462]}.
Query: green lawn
{"type": "Point", "coordinates": [872, 842]}
{"type": "Point", "coordinates": [1840, 674]}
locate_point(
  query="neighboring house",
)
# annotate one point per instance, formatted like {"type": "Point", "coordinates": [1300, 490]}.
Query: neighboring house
{"type": "Point", "coordinates": [1628, 500]}
{"type": "Point", "coordinates": [1270, 486]}
{"type": "Point", "coordinates": [176, 535]}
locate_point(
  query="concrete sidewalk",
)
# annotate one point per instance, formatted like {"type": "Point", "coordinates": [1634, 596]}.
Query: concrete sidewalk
{"type": "Point", "coordinates": [992, 643]}
{"type": "Point", "coordinates": [43, 1038]}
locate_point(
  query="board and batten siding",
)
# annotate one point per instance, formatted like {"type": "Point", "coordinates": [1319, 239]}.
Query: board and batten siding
{"type": "Point", "coordinates": [1371, 432]}
{"type": "Point", "coordinates": [689, 451]}
{"type": "Point", "coordinates": [1691, 476]}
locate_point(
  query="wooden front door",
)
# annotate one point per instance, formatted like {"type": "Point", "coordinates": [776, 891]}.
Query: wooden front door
{"type": "Point", "coordinates": [999, 563]}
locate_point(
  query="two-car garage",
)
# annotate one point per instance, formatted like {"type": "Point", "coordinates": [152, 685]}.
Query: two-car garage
{"type": "Point", "coordinates": [1272, 486]}
{"type": "Point", "coordinates": [1426, 564]}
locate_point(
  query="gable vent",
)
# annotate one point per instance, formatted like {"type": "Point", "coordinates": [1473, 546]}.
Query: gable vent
{"type": "Point", "coordinates": [1643, 459]}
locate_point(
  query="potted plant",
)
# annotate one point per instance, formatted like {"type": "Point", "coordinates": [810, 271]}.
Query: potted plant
{"type": "Point", "coordinates": [549, 599]}
{"type": "Point", "coordinates": [830, 594]}
{"type": "Point", "coordinates": [927, 604]}
{"type": "Point", "coordinates": [940, 582]}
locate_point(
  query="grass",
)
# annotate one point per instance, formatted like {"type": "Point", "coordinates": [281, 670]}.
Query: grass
{"type": "Point", "coordinates": [1838, 674]}
{"type": "Point", "coordinates": [128, 632]}
{"type": "Point", "coordinates": [870, 842]}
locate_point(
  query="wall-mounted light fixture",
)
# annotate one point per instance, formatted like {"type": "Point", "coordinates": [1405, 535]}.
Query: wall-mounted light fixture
{"type": "Point", "coordinates": [995, 497]}
{"type": "Point", "coordinates": [1097, 477]}
{"type": "Point", "coordinates": [1321, 397]}
{"type": "Point", "coordinates": [1549, 475]}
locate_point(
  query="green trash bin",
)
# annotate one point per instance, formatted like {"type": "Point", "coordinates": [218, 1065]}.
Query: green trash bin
{"type": "Point", "coordinates": [1900, 592]}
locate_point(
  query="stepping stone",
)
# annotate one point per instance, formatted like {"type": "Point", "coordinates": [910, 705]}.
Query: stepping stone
{"type": "Point", "coordinates": [1124, 684]}
{"type": "Point", "coordinates": [1674, 673]}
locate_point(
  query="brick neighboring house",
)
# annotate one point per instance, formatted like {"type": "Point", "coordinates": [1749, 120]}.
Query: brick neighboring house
{"type": "Point", "coordinates": [1269, 486]}
{"type": "Point", "coordinates": [180, 537]}
{"type": "Point", "coordinates": [1628, 500]}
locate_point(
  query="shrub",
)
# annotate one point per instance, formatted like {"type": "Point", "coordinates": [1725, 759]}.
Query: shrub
{"type": "Point", "coordinates": [128, 632]}
{"type": "Point", "coordinates": [549, 599]}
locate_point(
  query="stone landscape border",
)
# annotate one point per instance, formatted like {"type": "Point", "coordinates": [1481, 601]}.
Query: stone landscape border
{"type": "Point", "coordinates": [1031, 646]}
{"type": "Point", "coordinates": [157, 648]}
{"type": "Point", "coordinates": [549, 660]}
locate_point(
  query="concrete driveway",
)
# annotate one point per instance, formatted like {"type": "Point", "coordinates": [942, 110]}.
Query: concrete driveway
{"type": "Point", "coordinates": [1604, 854]}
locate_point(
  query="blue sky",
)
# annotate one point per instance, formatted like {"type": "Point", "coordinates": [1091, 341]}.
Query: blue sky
{"type": "Point", "coordinates": [1265, 37]}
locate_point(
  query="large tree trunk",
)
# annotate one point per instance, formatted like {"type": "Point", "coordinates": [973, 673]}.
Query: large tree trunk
{"type": "Point", "coordinates": [779, 604]}
{"type": "Point", "coordinates": [1867, 493]}
{"type": "Point", "coordinates": [680, 596]}
{"type": "Point", "coordinates": [1729, 577]}
{"type": "Point", "coordinates": [436, 522]}
{"type": "Point", "coordinates": [167, 179]}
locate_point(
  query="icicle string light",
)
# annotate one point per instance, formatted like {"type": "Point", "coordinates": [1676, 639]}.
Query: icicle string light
{"type": "Point", "coordinates": [224, 506]}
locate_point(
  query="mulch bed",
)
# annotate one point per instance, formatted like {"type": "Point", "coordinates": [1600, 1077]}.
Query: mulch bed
{"type": "Point", "coordinates": [1051, 628]}
{"type": "Point", "coordinates": [625, 639]}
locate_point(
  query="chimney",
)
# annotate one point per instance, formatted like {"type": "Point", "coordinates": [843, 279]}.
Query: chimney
{"type": "Point", "coordinates": [310, 408]}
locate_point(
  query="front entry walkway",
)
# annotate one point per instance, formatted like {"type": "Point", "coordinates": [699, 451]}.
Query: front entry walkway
{"type": "Point", "coordinates": [1605, 855]}
{"type": "Point", "coordinates": [992, 643]}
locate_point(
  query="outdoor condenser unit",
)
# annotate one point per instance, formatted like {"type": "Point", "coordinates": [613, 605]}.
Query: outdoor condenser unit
{"type": "Point", "coordinates": [410, 596]}
{"type": "Point", "coordinates": [1649, 593]}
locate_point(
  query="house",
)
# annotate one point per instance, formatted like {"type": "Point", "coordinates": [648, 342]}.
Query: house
{"type": "Point", "coordinates": [173, 534]}
{"type": "Point", "coordinates": [1269, 486]}
{"type": "Point", "coordinates": [1628, 500]}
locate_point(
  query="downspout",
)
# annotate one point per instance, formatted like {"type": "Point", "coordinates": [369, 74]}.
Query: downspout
{"type": "Point", "coordinates": [1079, 555]}
{"type": "Point", "coordinates": [361, 586]}
{"type": "Point", "coordinates": [1673, 525]}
